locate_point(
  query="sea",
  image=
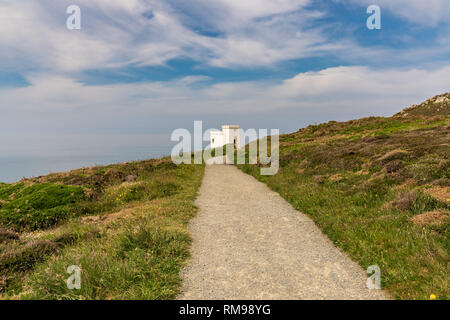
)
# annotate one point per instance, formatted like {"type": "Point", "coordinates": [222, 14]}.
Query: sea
{"type": "Point", "coordinates": [16, 167]}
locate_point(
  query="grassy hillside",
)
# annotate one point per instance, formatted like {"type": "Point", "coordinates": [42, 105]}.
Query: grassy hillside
{"type": "Point", "coordinates": [123, 225]}
{"type": "Point", "coordinates": [379, 188]}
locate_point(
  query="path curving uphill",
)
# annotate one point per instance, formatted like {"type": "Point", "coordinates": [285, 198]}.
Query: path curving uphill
{"type": "Point", "coordinates": [249, 243]}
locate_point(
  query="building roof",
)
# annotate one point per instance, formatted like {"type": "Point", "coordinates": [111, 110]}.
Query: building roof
{"type": "Point", "coordinates": [231, 127]}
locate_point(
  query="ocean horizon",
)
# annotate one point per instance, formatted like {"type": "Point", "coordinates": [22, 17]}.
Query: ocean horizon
{"type": "Point", "coordinates": [15, 167]}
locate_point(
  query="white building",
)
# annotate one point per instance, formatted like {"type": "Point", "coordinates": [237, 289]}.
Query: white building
{"type": "Point", "coordinates": [228, 135]}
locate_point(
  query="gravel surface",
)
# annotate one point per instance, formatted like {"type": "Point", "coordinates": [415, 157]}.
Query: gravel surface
{"type": "Point", "coordinates": [249, 243]}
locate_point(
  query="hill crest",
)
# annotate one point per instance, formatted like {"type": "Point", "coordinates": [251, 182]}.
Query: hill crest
{"type": "Point", "coordinates": [438, 105]}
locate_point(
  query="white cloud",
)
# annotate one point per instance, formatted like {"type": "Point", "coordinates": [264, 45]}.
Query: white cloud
{"type": "Point", "coordinates": [356, 88]}
{"type": "Point", "coordinates": [193, 79]}
{"type": "Point", "coordinates": [151, 32]}
{"type": "Point", "coordinates": [252, 33]}
{"type": "Point", "coordinates": [114, 33]}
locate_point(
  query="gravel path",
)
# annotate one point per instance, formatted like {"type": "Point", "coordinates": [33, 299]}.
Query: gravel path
{"type": "Point", "coordinates": [249, 243]}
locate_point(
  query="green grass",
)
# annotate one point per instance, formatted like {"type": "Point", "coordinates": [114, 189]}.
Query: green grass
{"type": "Point", "coordinates": [363, 193]}
{"type": "Point", "coordinates": [132, 248]}
{"type": "Point", "coordinates": [48, 201]}
{"type": "Point", "coordinates": [38, 206]}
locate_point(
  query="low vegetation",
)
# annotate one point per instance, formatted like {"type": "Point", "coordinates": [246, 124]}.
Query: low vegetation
{"type": "Point", "coordinates": [124, 225]}
{"type": "Point", "coordinates": [379, 188]}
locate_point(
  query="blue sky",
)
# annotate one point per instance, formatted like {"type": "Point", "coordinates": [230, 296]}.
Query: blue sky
{"type": "Point", "coordinates": [147, 67]}
{"type": "Point", "coordinates": [336, 32]}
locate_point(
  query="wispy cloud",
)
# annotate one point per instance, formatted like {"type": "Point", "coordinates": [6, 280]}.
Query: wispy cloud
{"type": "Point", "coordinates": [357, 89]}
{"type": "Point", "coordinates": [221, 33]}
{"type": "Point", "coordinates": [118, 33]}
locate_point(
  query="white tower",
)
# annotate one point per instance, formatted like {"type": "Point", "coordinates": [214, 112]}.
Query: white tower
{"type": "Point", "coordinates": [230, 134]}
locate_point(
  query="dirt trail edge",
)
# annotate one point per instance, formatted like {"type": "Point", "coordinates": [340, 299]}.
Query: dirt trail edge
{"type": "Point", "coordinates": [249, 243]}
